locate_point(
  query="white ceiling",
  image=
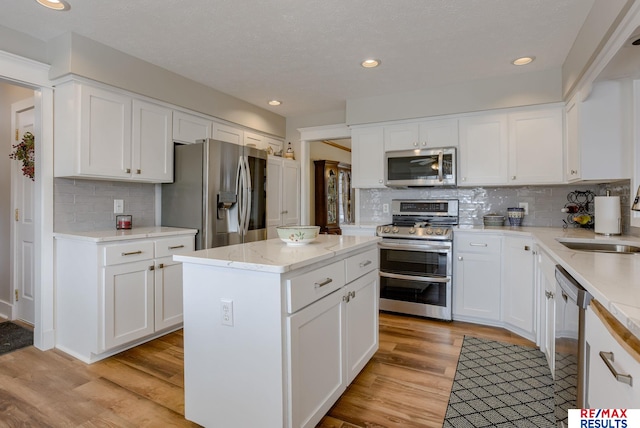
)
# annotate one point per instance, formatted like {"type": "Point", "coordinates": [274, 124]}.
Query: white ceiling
{"type": "Point", "coordinates": [307, 53]}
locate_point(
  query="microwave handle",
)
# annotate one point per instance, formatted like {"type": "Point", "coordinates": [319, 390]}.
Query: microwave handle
{"type": "Point", "coordinates": [440, 158]}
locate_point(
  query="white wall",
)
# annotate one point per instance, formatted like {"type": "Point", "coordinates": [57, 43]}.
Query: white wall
{"type": "Point", "coordinates": [8, 94]}
{"type": "Point", "coordinates": [308, 121]}
{"type": "Point", "coordinates": [74, 54]}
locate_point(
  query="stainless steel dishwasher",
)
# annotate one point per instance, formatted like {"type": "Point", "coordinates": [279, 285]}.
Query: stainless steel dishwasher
{"type": "Point", "coordinates": [570, 365]}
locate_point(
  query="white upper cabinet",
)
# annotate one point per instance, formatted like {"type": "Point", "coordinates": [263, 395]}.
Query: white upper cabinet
{"type": "Point", "coordinates": [254, 140]}
{"type": "Point", "coordinates": [152, 154]}
{"type": "Point", "coordinates": [102, 134]}
{"type": "Point", "coordinates": [367, 157]}
{"type": "Point", "coordinates": [519, 148]}
{"type": "Point", "coordinates": [483, 150]}
{"type": "Point", "coordinates": [596, 148]}
{"type": "Point", "coordinates": [228, 133]}
{"type": "Point", "coordinates": [535, 146]}
{"type": "Point", "coordinates": [283, 193]}
{"type": "Point", "coordinates": [188, 128]}
{"type": "Point", "coordinates": [421, 135]}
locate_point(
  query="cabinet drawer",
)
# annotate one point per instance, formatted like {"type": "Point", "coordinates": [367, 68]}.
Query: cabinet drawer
{"type": "Point", "coordinates": [130, 252]}
{"type": "Point", "coordinates": [478, 243]}
{"type": "Point", "coordinates": [358, 265]}
{"type": "Point", "coordinates": [305, 289]}
{"type": "Point", "coordinates": [604, 391]}
{"type": "Point", "coordinates": [175, 245]}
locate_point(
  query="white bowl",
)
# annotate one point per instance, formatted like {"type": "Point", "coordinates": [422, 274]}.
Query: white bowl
{"type": "Point", "coordinates": [298, 235]}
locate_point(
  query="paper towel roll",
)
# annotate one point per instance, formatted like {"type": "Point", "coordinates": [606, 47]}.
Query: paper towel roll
{"type": "Point", "coordinates": [607, 215]}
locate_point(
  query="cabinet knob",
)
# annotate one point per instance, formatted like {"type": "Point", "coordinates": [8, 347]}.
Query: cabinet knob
{"type": "Point", "coordinates": [464, 178]}
{"type": "Point", "coordinates": [152, 267]}
{"type": "Point", "coordinates": [415, 144]}
{"type": "Point", "coordinates": [380, 181]}
{"type": "Point", "coordinates": [138, 171]}
{"type": "Point", "coordinates": [460, 258]}
{"type": "Point", "coordinates": [527, 248]}
{"type": "Point", "coordinates": [128, 170]}
{"type": "Point", "coordinates": [549, 294]}
{"type": "Point", "coordinates": [513, 177]}
{"type": "Point", "coordinates": [424, 143]}
{"type": "Point", "coordinates": [574, 172]}
{"type": "Point", "coordinates": [161, 265]}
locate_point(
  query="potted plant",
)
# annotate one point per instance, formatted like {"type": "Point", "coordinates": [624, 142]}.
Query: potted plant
{"type": "Point", "coordinates": [24, 152]}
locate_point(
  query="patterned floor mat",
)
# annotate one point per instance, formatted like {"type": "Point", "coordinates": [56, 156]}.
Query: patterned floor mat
{"type": "Point", "coordinates": [500, 385]}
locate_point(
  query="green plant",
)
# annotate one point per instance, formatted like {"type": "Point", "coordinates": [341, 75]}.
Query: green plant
{"type": "Point", "coordinates": [24, 152]}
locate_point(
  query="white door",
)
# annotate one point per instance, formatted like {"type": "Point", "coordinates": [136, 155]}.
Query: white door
{"type": "Point", "coordinates": [23, 227]}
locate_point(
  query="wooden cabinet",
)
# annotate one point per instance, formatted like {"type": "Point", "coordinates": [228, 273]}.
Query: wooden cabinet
{"type": "Point", "coordinates": [517, 148]}
{"type": "Point", "coordinates": [367, 157]}
{"type": "Point", "coordinates": [518, 287]}
{"type": "Point", "coordinates": [609, 342]}
{"type": "Point", "coordinates": [114, 295]}
{"type": "Point", "coordinates": [421, 135]}
{"type": "Point", "coordinates": [283, 193]}
{"type": "Point", "coordinates": [326, 196]}
{"type": "Point", "coordinates": [477, 274]}
{"type": "Point", "coordinates": [188, 128]}
{"type": "Point", "coordinates": [590, 121]}
{"type": "Point", "coordinates": [104, 134]}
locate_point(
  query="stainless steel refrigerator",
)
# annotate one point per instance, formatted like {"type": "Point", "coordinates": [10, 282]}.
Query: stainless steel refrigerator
{"type": "Point", "coordinates": [219, 188]}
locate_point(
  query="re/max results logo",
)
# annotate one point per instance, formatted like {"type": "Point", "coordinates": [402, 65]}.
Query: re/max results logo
{"type": "Point", "coordinates": [604, 418]}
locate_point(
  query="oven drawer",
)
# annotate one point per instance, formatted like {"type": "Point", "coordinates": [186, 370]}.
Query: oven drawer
{"type": "Point", "coordinates": [477, 243]}
{"type": "Point", "coordinates": [358, 265]}
{"type": "Point", "coordinates": [305, 289]}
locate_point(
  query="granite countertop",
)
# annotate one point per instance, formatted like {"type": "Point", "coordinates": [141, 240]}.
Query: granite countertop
{"type": "Point", "coordinates": [612, 279]}
{"type": "Point", "coordinates": [275, 256]}
{"type": "Point", "coordinates": [122, 235]}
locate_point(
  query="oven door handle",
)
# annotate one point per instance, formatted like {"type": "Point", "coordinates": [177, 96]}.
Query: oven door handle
{"type": "Point", "coordinates": [417, 247]}
{"type": "Point", "coordinates": [414, 278]}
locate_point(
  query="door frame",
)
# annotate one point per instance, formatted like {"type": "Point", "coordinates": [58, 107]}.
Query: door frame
{"type": "Point", "coordinates": [35, 75]}
{"type": "Point", "coordinates": [308, 136]}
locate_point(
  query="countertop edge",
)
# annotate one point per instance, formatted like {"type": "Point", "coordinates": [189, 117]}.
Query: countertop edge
{"type": "Point", "coordinates": [124, 235]}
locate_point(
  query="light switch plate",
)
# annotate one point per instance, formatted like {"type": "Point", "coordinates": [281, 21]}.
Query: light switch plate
{"type": "Point", "coordinates": [118, 206]}
{"type": "Point", "coordinates": [524, 205]}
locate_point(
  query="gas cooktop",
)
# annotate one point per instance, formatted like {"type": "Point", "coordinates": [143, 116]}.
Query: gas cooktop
{"type": "Point", "coordinates": [431, 219]}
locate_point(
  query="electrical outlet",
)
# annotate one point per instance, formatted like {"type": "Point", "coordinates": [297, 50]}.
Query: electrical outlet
{"type": "Point", "coordinates": [226, 306]}
{"type": "Point", "coordinates": [385, 208]}
{"type": "Point", "coordinates": [118, 206]}
{"type": "Point", "coordinates": [524, 205]}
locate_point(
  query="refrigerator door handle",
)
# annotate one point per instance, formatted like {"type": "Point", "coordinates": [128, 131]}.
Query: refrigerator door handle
{"type": "Point", "coordinates": [248, 191]}
{"type": "Point", "coordinates": [240, 192]}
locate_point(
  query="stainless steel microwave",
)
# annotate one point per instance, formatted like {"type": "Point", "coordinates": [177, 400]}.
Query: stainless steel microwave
{"type": "Point", "coordinates": [420, 168]}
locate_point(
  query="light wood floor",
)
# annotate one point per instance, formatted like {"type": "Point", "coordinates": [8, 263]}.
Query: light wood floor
{"type": "Point", "coordinates": [406, 384]}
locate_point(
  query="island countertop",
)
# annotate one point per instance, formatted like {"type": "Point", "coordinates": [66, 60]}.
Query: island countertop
{"type": "Point", "coordinates": [275, 256]}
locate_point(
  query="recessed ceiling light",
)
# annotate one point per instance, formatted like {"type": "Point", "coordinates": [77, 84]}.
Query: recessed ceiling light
{"type": "Point", "coordinates": [370, 63]}
{"type": "Point", "coordinates": [59, 5]}
{"type": "Point", "coordinates": [275, 103]}
{"type": "Point", "coordinates": [523, 61]}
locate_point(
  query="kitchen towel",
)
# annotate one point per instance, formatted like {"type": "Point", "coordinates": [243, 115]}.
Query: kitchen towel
{"type": "Point", "coordinates": [607, 215]}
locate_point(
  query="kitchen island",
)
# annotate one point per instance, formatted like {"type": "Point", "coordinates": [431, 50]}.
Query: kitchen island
{"type": "Point", "coordinates": [273, 334]}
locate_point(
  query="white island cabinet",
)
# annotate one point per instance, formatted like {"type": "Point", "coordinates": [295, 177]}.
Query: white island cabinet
{"type": "Point", "coordinates": [273, 334]}
{"type": "Point", "coordinates": [117, 289]}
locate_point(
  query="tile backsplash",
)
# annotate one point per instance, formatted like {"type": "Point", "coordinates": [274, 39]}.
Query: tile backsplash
{"type": "Point", "coordinates": [545, 202]}
{"type": "Point", "coordinates": [84, 205]}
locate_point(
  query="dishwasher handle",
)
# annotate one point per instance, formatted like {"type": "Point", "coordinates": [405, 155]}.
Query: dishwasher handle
{"type": "Point", "coordinates": [571, 289]}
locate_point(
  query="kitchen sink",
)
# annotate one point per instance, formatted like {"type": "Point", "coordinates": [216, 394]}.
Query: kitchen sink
{"type": "Point", "coordinates": [601, 247]}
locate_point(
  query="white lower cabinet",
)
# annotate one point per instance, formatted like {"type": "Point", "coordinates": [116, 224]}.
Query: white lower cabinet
{"type": "Point", "coordinates": [518, 286]}
{"type": "Point", "coordinates": [546, 286]}
{"type": "Point", "coordinates": [331, 341]}
{"type": "Point", "coordinates": [494, 281]}
{"type": "Point", "coordinates": [114, 295]}
{"type": "Point", "coordinates": [296, 341]}
{"type": "Point", "coordinates": [611, 348]}
{"type": "Point", "coordinates": [477, 272]}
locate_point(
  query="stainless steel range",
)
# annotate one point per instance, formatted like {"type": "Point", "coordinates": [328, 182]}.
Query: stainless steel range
{"type": "Point", "coordinates": [416, 257]}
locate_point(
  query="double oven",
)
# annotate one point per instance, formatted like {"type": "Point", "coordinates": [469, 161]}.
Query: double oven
{"type": "Point", "coordinates": [416, 258]}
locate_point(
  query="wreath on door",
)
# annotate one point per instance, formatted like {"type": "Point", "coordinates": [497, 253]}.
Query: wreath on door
{"type": "Point", "coordinates": [24, 152]}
